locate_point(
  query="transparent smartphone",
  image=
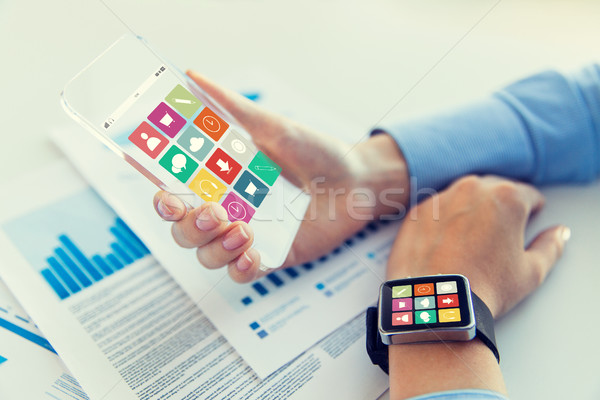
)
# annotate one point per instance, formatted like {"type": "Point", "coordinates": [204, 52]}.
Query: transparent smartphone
{"type": "Point", "coordinates": [170, 130]}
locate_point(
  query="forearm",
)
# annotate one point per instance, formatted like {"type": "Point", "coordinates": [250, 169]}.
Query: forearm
{"type": "Point", "coordinates": [417, 369]}
{"type": "Point", "coordinates": [544, 129]}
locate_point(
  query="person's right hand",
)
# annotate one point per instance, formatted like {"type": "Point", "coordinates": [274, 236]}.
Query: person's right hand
{"type": "Point", "coordinates": [329, 170]}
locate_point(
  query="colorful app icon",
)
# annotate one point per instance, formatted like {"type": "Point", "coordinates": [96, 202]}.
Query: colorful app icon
{"type": "Point", "coordinates": [251, 189]}
{"type": "Point", "coordinates": [424, 289]}
{"type": "Point", "coordinates": [183, 101]}
{"type": "Point", "coordinates": [265, 168]}
{"type": "Point", "coordinates": [180, 165]}
{"type": "Point", "coordinates": [237, 209]}
{"type": "Point", "coordinates": [223, 166]}
{"type": "Point", "coordinates": [425, 317]}
{"type": "Point", "coordinates": [403, 318]}
{"type": "Point", "coordinates": [239, 147]}
{"type": "Point", "coordinates": [446, 287]}
{"type": "Point", "coordinates": [211, 124]}
{"type": "Point", "coordinates": [402, 291]}
{"type": "Point", "coordinates": [402, 304]}
{"type": "Point", "coordinates": [447, 301]}
{"type": "Point", "coordinates": [207, 186]}
{"type": "Point", "coordinates": [423, 303]}
{"type": "Point", "coordinates": [149, 140]}
{"type": "Point", "coordinates": [195, 143]}
{"type": "Point", "coordinates": [167, 120]}
{"type": "Point", "coordinates": [449, 315]}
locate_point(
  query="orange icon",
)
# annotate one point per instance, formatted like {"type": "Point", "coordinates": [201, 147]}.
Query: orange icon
{"type": "Point", "coordinates": [424, 289]}
{"type": "Point", "coordinates": [211, 124]}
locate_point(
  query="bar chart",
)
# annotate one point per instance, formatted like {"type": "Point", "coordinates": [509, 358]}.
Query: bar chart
{"type": "Point", "coordinates": [74, 248]}
{"type": "Point", "coordinates": [278, 279]}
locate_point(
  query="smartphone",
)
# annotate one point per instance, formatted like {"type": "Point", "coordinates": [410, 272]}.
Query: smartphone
{"type": "Point", "coordinates": [159, 121]}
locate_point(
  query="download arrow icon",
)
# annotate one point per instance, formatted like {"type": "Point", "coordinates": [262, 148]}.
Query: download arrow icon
{"type": "Point", "coordinates": [224, 165]}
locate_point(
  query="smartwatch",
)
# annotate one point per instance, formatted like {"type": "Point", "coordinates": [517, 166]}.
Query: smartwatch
{"type": "Point", "coordinates": [427, 309]}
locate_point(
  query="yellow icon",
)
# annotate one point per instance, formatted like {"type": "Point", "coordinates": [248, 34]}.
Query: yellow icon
{"type": "Point", "coordinates": [449, 315]}
{"type": "Point", "coordinates": [207, 186]}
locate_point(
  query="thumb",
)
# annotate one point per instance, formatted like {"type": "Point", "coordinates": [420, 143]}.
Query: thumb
{"type": "Point", "coordinates": [543, 252]}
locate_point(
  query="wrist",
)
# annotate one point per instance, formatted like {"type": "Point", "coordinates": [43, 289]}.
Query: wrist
{"type": "Point", "coordinates": [421, 368]}
{"type": "Point", "coordinates": [385, 174]}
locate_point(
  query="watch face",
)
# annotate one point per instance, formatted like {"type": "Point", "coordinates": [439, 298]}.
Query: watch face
{"type": "Point", "coordinates": [425, 303]}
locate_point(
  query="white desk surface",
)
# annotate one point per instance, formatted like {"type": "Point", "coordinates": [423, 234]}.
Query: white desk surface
{"type": "Point", "coordinates": [357, 59]}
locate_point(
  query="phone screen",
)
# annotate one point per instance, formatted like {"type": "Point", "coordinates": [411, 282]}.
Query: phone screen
{"type": "Point", "coordinates": [163, 124]}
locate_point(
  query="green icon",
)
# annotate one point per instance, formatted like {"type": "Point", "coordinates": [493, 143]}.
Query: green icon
{"type": "Point", "coordinates": [425, 317]}
{"type": "Point", "coordinates": [265, 168]}
{"type": "Point", "coordinates": [183, 101]}
{"type": "Point", "coordinates": [401, 291]}
{"type": "Point", "coordinates": [178, 164]}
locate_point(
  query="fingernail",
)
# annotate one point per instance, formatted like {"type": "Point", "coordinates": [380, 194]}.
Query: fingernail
{"type": "Point", "coordinates": [235, 238]}
{"type": "Point", "coordinates": [565, 233]}
{"type": "Point", "coordinates": [169, 205]}
{"type": "Point", "coordinates": [207, 220]}
{"type": "Point", "coordinates": [163, 210]}
{"type": "Point", "coordinates": [244, 262]}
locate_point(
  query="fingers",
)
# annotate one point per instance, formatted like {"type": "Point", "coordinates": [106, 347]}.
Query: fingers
{"type": "Point", "coordinates": [200, 226]}
{"type": "Point", "coordinates": [516, 195]}
{"type": "Point", "coordinates": [245, 268]}
{"type": "Point", "coordinates": [222, 250]}
{"type": "Point", "coordinates": [169, 206]}
{"type": "Point", "coordinates": [543, 252]}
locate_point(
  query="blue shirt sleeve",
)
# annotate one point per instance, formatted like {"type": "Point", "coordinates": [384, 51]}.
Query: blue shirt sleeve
{"type": "Point", "coordinates": [544, 129]}
{"type": "Point", "coordinates": [467, 394]}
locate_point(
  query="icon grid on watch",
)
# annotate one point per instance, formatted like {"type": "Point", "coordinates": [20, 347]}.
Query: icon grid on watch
{"type": "Point", "coordinates": [425, 303]}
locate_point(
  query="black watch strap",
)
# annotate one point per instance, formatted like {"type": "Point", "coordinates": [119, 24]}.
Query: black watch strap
{"type": "Point", "coordinates": [378, 351]}
{"type": "Point", "coordinates": [484, 324]}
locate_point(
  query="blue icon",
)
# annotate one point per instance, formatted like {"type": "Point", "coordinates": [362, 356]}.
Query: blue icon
{"type": "Point", "coordinates": [251, 188]}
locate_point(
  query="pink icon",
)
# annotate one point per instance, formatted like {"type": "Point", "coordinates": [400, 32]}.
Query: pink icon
{"type": "Point", "coordinates": [402, 304]}
{"type": "Point", "coordinates": [167, 120]}
{"type": "Point", "coordinates": [237, 209]}
{"type": "Point", "coordinates": [403, 318]}
{"type": "Point", "coordinates": [148, 139]}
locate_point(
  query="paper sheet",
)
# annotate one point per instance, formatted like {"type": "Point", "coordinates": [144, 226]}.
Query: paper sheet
{"type": "Point", "coordinates": [124, 327]}
{"type": "Point", "coordinates": [29, 367]}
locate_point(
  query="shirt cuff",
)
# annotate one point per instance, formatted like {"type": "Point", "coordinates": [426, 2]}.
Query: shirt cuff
{"type": "Point", "coordinates": [468, 394]}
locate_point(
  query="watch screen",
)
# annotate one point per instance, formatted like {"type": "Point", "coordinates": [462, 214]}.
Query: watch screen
{"type": "Point", "coordinates": [425, 303]}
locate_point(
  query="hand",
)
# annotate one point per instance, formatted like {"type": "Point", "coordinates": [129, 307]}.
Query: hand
{"type": "Point", "coordinates": [477, 228]}
{"type": "Point", "coordinates": [474, 228]}
{"type": "Point", "coordinates": [329, 170]}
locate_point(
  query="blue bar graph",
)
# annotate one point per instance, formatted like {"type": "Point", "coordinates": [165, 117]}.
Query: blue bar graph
{"type": "Point", "coordinates": [273, 277]}
{"type": "Point", "coordinates": [277, 280]}
{"type": "Point", "coordinates": [72, 266]}
{"type": "Point", "coordinates": [55, 284]}
{"type": "Point", "coordinates": [260, 289]}
{"type": "Point", "coordinates": [75, 242]}
{"type": "Point", "coordinates": [80, 257]}
{"type": "Point", "coordinates": [56, 267]}
{"type": "Point", "coordinates": [114, 261]}
{"type": "Point", "coordinates": [70, 269]}
{"type": "Point", "coordinates": [120, 251]}
{"type": "Point", "coordinates": [99, 261]}
{"type": "Point", "coordinates": [291, 272]}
